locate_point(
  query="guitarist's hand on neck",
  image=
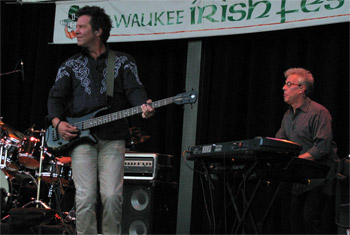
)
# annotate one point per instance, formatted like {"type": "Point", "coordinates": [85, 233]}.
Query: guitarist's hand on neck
{"type": "Point", "coordinates": [147, 110]}
{"type": "Point", "coordinates": [65, 130]}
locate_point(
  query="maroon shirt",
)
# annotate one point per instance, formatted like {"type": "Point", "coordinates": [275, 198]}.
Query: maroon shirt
{"type": "Point", "coordinates": [311, 127]}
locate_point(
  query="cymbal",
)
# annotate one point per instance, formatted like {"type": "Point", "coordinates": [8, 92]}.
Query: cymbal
{"type": "Point", "coordinates": [10, 132]}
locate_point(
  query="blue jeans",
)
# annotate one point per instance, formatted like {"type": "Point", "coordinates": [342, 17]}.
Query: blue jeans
{"type": "Point", "coordinates": [103, 163]}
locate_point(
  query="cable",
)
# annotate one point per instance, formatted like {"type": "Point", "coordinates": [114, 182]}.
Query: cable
{"type": "Point", "coordinates": [210, 184]}
{"type": "Point", "coordinates": [225, 214]}
{"type": "Point", "coordinates": [59, 210]}
{"type": "Point", "coordinates": [188, 166]}
{"type": "Point", "coordinates": [205, 201]}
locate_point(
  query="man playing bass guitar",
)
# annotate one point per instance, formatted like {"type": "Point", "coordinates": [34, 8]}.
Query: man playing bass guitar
{"type": "Point", "coordinates": [81, 88]}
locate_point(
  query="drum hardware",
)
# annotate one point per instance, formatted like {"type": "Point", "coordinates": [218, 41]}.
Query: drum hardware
{"type": "Point", "coordinates": [16, 187]}
{"type": "Point", "coordinates": [25, 163]}
{"type": "Point", "coordinates": [51, 188]}
{"type": "Point", "coordinates": [34, 164]}
{"type": "Point", "coordinates": [3, 153]}
{"type": "Point", "coordinates": [70, 217]}
{"type": "Point", "coordinates": [27, 155]}
{"type": "Point", "coordinates": [6, 149]}
{"type": "Point", "coordinates": [29, 151]}
{"type": "Point", "coordinates": [57, 171]}
{"type": "Point", "coordinates": [38, 201]}
{"type": "Point", "coordinates": [50, 194]}
{"type": "Point", "coordinates": [9, 143]}
{"type": "Point", "coordinates": [42, 133]}
{"type": "Point", "coordinates": [10, 132]}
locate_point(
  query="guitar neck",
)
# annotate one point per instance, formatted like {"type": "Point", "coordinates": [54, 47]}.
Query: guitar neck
{"type": "Point", "coordinates": [104, 119]}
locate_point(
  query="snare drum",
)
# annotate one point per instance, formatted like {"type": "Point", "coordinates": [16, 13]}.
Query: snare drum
{"type": "Point", "coordinates": [29, 152]}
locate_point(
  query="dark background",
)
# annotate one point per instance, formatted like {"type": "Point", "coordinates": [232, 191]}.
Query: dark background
{"type": "Point", "coordinates": [240, 95]}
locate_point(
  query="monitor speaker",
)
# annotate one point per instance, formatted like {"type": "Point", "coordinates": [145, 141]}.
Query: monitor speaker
{"type": "Point", "coordinates": [149, 207]}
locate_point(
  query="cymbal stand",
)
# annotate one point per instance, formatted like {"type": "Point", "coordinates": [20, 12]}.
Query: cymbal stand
{"type": "Point", "coordinates": [37, 201]}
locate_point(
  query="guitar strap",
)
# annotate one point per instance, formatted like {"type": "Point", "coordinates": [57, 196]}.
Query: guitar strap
{"type": "Point", "coordinates": [110, 75]}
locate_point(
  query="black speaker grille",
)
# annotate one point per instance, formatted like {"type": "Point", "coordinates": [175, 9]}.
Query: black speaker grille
{"type": "Point", "coordinates": [149, 208]}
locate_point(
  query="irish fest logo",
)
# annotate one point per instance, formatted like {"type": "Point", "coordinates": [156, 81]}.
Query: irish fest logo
{"type": "Point", "coordinates": [70, 23]}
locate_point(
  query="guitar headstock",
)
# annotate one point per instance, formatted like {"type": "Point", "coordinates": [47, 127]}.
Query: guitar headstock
{"type": "Point", "coordinates": [185, 98]}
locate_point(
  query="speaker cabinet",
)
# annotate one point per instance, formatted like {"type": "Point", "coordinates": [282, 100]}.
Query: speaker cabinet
{"type": "Point", "coordinates": [149, 207]}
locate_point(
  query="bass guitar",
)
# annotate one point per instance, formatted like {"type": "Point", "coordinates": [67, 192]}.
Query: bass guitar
{"type": "Point", "coordinates": [56, 144]}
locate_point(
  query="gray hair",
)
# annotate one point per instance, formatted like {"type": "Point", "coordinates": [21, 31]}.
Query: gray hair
{"type": "Point", "coordinates": [306, 76]}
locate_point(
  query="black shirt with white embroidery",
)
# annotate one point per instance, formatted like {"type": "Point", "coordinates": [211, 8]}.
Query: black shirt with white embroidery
{"type": "Point", "coordinates": [81, 85]}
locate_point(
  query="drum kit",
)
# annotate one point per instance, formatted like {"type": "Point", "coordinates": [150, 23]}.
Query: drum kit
{"type": "Point", "coordinates": [30, 175]}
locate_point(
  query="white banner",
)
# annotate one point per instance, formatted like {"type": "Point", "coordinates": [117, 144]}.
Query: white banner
{"type": "Point", "coordinates": [142, 20]}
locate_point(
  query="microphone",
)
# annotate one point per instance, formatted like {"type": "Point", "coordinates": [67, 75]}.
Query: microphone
{"type": "Point", "coordinates": [22, 70]}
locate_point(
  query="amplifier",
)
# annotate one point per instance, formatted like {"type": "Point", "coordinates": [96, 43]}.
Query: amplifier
{"type": "Point", "coordinates": [145, 166]}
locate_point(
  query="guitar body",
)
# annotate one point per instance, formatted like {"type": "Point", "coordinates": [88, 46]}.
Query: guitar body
{"type": "Point", "coordinates": [56, 144]}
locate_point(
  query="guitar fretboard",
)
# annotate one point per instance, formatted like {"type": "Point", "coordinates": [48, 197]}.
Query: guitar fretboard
{"type": "Point", "coordinates": [104, 119]}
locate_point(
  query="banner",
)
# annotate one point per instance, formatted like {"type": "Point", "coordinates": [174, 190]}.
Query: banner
{"type": "Point", "coordinates": [142, 20]}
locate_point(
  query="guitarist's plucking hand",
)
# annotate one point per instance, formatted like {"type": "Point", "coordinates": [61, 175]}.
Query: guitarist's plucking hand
{"type": "Point", "coordinates": [65, 130]}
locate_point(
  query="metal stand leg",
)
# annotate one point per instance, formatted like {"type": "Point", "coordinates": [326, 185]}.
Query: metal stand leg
{"type": "Point", "coordinates": [37, 201]}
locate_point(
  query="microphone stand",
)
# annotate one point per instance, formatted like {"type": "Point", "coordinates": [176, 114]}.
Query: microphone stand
{"type": "Point", "coordinates": [11, 72]}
